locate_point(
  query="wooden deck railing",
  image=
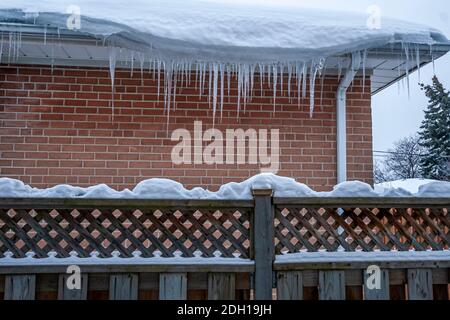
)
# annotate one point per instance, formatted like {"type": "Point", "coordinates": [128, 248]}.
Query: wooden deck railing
{"type": "Point", "coordinates": [224, 249]}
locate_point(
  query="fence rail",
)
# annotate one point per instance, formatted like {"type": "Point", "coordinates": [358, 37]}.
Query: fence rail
{"type": "Point", "coordinates": [229, 249]}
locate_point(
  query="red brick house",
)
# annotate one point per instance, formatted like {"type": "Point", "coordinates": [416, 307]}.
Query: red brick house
{"type": "Point", "coordinates": [61, 122]}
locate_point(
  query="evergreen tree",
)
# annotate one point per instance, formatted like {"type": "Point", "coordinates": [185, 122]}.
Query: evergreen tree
{"type": "Point", "coordinates": [435, 133]}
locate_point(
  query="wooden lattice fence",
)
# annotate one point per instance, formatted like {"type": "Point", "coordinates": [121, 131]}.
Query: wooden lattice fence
{"type": "Point", "coordinates": [246, 234]}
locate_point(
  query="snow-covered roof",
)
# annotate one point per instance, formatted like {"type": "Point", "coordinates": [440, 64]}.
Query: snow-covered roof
{"type": "Point", "coordinates": [220, 39]}
{"type": "Point", "coordinates": [168, 189]}
{"type": "Point", "coordinates": [213, 31]}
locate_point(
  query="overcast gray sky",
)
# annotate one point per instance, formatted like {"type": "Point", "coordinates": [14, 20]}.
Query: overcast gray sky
{"type": "Point", "coordinates": [395, 115]}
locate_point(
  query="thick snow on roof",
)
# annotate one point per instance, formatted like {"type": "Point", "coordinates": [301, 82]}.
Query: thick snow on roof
{"type": "Point", "coordinates": [223, 40]}
{"type": "Point", "coordinates": [204, 30]}
{"type": "Point", "coordinates": [169, 189]}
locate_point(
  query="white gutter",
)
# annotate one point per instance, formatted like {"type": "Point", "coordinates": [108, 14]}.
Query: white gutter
{"type": "Point", "coordinates": [341, 120]}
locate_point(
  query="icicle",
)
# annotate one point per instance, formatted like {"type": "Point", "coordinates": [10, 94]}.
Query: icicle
{"type": "Point", "coordinates": [312, 81]}
{"type": "Point", "coordinates": [289, 66]}
{"type": "Point", "coordinates": [304, 74]}
{"type": "Point", "coordinates": [159, 79]}
{"type": "Point", "coordinates": [299, 83]}
{"type": "Point", "coordinates": [10, 46]}
{"type": "Point", "coordinates": [153, 68]}
{"type": "Point", "coordinates": [182, 73]}
{"type": "Point", "coordinates": [239, 80]}
{"type": "Point", "coordinates": [229, 75]}
{"type": "Point", "coordinates": [210, 78]}
{"type": "Point", "coordinates": [142, 61]}
{"type": "Point", "coordinates": [407, 68]}
{"type": "Point", "coordinates": [53, 58]}
{"type": "Point", "coordinates": [222, 85]}
{"type": "Point", "coordinates": [261, 78]}
{"type": "Point", "coordinates": [196, 76]}
{"type": "Point", "coordinates": [322, 80]}
{"type": "Point", "coordinates": [203, 78]}
{"type": "Point", "coordinates": [214, 91]}
{"type": "Point", "coordinates": [281, 79]}
{"type": "Point", "coordinates": [1, 48]}
{"type": "Point", "coordinates": [188, 72]}
{"type": "Point", "coordinates": [252, 80]}
{"type": "Point", "coordinates": [418, 61]}
{"type": "Point", "coordinates": [132, 64]}
{"type": "Point", "coordinates": [200, 91]}
{"type": "Point", "coordinates": [19, 43]}
{"type": "Point", "coordinates": [169, 82]}
{"type": "Point", "coordinates": [315, 68]}
{"type": "Point", "coordinates": [112, 72]}
{"type": "Point", "coordinates": [275, 79]}
{"type": "Point", "coordinates": [174, 80]}
{"type": "Point", "coordinates": [246, 85]}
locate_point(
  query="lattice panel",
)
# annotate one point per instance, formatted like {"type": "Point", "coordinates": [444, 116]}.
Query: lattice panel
{"type": "Point", "coordinates": [184, 232]}
{"type": "Point", "coordinates": [355, 229]}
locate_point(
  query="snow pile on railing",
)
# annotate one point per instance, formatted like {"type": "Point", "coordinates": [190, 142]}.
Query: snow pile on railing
{"type": "Point", "coordinates": [168, 189]}
{"type": "Point", "coordinates": [116, 259]}
{"type": "Point", "coordinates": [411, 185]}
{"type": "Point", "coordinates": [360, 256]}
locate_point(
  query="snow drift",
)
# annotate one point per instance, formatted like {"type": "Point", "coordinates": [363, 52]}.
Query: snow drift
{"type": "Point", "coordinates": [168, 189]}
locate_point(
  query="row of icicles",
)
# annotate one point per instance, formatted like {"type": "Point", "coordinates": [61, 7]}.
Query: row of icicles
{"type": "Point", "coordinates": [213, 79]}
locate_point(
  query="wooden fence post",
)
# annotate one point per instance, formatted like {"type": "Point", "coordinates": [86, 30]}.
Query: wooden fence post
{"type": "Point", "coordinates": [331, 285]}
{"type": "Point", "coordinates": [20, 287]}
{"type": "Point", "coordinates": [123, 286]}
{"type": "Point", "coordinates": [65, 293]}
{"type": "Point", "coordinates": [420, 284]}
{"type": "Point", "coordinates": [263, 243]}
{"type": "Point", "coordinates": [172, 286]}
{"type": "Point", "coordinates": [377, 294]}
{"type": "Point", "coordinates": [290, 285]}
{"type": "Point", "coordinates": [221, 286]}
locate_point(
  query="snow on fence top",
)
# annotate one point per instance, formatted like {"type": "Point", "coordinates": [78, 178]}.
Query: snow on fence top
{"type": "Point", "coordinates": [169, 189]}
{"type": "Point", "coordinates": [224, 41]}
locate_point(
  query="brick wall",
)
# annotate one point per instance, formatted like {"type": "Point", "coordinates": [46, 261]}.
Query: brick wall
{"type": "Point", "coordinates": [57, 126]}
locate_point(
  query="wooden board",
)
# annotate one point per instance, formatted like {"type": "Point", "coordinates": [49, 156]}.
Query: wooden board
{"type": "Point", "coordinates": [332, 285]}
{"type": "Point", "coordinates": [420, 284]}
{"type": "Point", "coordinates": [290, 285]}
{"type": "Point", "coordinates": [262, 241]}
{"type": "Point", "coordinates": [381, 293]}
{"type": "Point", "coordinates": [64, 293]}
{"type": "Point", "coordinates": [221, 286]}
{"type": "Point", "coordinates": [20, 287]}
{"type": "Point", "coordinates": [172, 286]}
{"type": "Point", "coordinates": [123, 286]}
